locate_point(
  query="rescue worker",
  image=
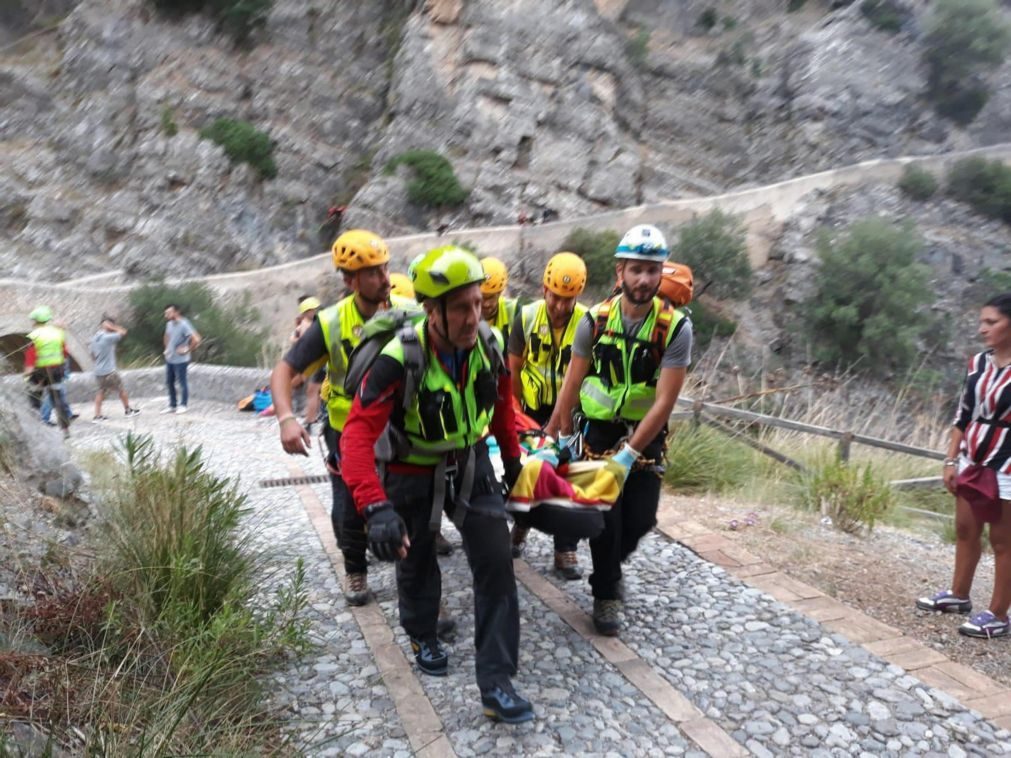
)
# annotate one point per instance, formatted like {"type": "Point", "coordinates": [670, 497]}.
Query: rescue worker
{"type": "Point", "coordinates": [362, 258]}
{"type": "Point", "coordinates": [629, 360]}
{"type": "Point", "coordinates": [435, 388]}
{"type": "Point", "coordinates": [540, 348]}
{"type": "Point", "coordinates": [400, 285]}
{"type": "Point", "coordinates": [497, 309]}
{"type": "Point", "coordinates": [49, 342]}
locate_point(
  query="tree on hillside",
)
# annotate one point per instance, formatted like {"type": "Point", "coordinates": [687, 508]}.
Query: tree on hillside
{"type": "Point", "coordinates": [964, 39]}
{"type": "Point", "coordinates": [870, 307]}
{"type": "Point", "coordinates": [714, 247]}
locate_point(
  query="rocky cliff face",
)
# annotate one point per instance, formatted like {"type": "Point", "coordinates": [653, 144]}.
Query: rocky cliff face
{"type": "Point", "coordinates": [574, 107]}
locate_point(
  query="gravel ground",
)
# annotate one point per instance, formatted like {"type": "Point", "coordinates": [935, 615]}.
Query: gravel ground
{"type": "Point", "coordinates": [916, 560]}
{"type": "Point", "coordinates": [775, 680]}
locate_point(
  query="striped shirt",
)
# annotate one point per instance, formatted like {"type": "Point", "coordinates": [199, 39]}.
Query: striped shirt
{"type": "Point", "coordinates": [984, 413]}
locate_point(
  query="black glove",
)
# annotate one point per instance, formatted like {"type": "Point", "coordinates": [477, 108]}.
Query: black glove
{"type": "Point", "coordinates": [385, 530]}
{"type": "Point", "coordinates": [513, 467]}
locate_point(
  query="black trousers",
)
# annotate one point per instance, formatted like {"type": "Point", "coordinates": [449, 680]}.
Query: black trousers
{"type": "Point", "coordinates": [631, 517]}
{"type": "Point", "coordinates": [563, 544]}
{"type": "Point", "coordinates": [348, 525]}
{"type": "Point", "coordinates": [486, 544]}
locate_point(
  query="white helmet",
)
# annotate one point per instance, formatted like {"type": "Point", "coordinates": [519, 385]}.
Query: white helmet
{"type": "Point", "coordinates": [643, 243]}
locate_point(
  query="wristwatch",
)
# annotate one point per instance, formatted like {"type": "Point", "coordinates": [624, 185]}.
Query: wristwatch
{"type": "Point", "coordinates": [951, 461]}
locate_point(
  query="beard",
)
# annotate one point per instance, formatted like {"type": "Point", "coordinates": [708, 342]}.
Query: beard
{"type": "Point", "coordinates": [639, 296]}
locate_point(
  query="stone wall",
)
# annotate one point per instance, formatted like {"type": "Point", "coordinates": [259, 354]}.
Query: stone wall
{"type": "Point", "coordinates": [764, 210]}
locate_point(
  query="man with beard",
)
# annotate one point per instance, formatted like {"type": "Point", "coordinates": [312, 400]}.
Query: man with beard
{"type": "Point", "coordinates": [629, 360]}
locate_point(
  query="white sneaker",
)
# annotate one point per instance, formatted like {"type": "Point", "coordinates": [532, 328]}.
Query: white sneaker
{"type": "Point", "coordinates": [181, 409]}
{"type": "Point", "coordinates": [170, 409]}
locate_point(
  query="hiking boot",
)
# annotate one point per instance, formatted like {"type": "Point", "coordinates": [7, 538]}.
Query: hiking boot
{"type": "Point", "coordinates": [445, 627]}
{"type": "Point", "coordinates": [132, 411]}
{"type": "Point", "coordinates": [985, 625]}
{"type": "Point", "coordinates": [567, 565]}
{"type": "Point", "coordinates": [442, 545]}
{"type": "Point", "coordinates": [356, 588]}
{"type": "Point", "coordinates": [501, 703]}
{"type": "Point", "coordinates": [606, 617]}
{"type": "Point", "coordinates": [945, 602]}
{"type": "Point", "coordinates": [519, 539]}
{"type": "Point", "coordinates": [430, 656]}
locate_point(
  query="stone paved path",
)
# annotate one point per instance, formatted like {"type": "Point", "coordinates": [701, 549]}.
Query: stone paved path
{"type": "Point", "coordinates": [706, 663]}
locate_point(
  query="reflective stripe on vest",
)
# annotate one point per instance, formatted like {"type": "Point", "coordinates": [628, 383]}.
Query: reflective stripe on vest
{"type": "Point", "coordinates": [544, 362]}
{"type": "Point", "coordinates": [609, 392]}
{"type": "Point", "coordinates": [48, 341]}
{"type": "Point", "coordinates": [442, 417]}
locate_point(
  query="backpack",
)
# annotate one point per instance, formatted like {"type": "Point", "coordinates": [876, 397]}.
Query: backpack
{"type": "Point", "coordinates": [376, 333]}
{"type": "Point", "coordinates": [401, 322]}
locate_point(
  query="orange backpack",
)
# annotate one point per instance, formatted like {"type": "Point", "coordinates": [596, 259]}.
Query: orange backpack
{"type": "Point", "coordinates": [676, 284]}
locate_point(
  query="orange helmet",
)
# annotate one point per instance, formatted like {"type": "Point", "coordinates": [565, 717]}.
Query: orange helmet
{"type": "Point", "coordinates": [565, 275]}
{"type": "Point", "coordinates": [496, 276]}
{"type": "Point", "coordinates": [357, 249]}
{"type": "Point", "coordinates": [676, 284]}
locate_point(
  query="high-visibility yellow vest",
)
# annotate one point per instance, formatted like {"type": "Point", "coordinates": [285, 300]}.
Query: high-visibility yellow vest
{"type": "Point", "coordinates": [444, 416]}
{"type": "Point", "coordinates": [505, 315]}
{"type": "Point", "coordinates": [48, 341]}
{"type": "Point", "coordinates": [624, 369]}
{"type": "Point", "coordinates": [342, 331]}
{"type": "Point", "coordinates": [544, 362]}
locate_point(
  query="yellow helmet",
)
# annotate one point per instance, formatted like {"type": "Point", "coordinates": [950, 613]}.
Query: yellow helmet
{"type": "Point", "coordinates": [496, 276]}
{"type": "Point", "coordinates": [401, 285]}
{"type": "Point", "coordinates": [357, 249]}
{"type": "Point", "coordinates": [565, 275]}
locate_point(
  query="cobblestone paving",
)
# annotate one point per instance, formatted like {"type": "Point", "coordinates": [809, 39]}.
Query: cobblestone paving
{"type": "Point", "coordinates": [773, 679]}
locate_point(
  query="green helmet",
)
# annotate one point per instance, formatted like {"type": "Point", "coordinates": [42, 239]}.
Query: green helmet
{"type": "Point", "coordinates": [41, 315]}
{"type": "Point", "coordinates": [443, 270]}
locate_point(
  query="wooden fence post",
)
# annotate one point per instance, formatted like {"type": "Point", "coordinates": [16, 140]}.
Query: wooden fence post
{"type": "Point", "coordinates": [844, 446]}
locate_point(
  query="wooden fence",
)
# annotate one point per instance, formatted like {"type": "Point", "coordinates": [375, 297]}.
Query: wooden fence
{"type": "Point", "coordinates": [713, 415]}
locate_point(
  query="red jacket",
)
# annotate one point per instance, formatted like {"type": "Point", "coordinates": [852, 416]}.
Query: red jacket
{"type": "Point", "coordinates": [372, 407]}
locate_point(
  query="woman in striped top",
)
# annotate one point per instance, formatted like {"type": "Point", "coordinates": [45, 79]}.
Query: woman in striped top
{"type": "Point", "coordinates": [982, 434]}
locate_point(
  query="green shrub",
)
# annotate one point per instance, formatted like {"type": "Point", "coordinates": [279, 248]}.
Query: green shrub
{"type": "Point", "coordinates": [983, 184]}
{"type": "Point", "coordinates": [232, 334]}
{"type": "Point", "coordinates": [854, 497]}
{"type": "Point", "coordinates": [961, 103]}
{"type": "Point", "coordinates": [964, 39]}
{"type": "Point", "coordinates": [918, 183]}
{"type": "Point", "coordinates": [597, 250]}
{"type": "Point", "coordinates": [708, 324]}
{"type": "Point", "coordinates": [707, 19]}
{"type": "Point", "coordinates": [637, 48]}
{"type": "Point", "coordinates": [702, 459]}
{"type": "Point", "coordinates": [870, 305]}
{"type": "Point", "coordinates": [243, 143]}
{"type": "Point", "coordinates": [434, 184]}
{"type": "Point", "coordinates": [886, 15]}
{"type": "Point", "coordinates": [238, 18]}
{"type": "Point", "coordinates": [168, 123]}
{"type": "Point", "coordinates": [793, 6]}
{"type": "Point", "coordinates": [714, 246]}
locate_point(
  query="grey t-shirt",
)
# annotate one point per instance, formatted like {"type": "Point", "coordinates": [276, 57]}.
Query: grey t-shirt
{"type": "Point", "coordinates": [677, 355]}
{"type": "Point", "coordinates": [103, 350]}
{"type": "Point", "coordinates": [179, 333]}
